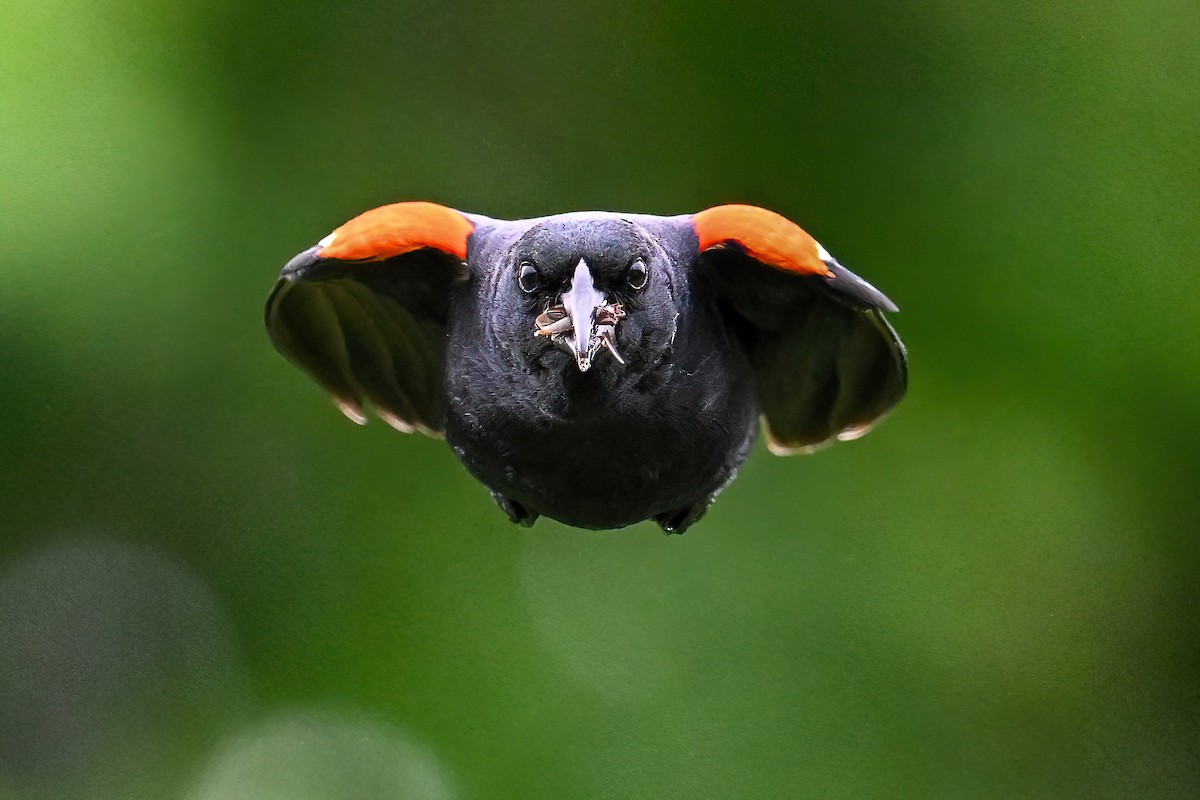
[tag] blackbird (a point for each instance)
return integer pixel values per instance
(597, 368)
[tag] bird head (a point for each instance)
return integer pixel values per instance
(593, 288)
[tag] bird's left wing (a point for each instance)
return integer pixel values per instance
(364, 311)
(827, 362)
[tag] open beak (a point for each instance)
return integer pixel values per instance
(581, 301)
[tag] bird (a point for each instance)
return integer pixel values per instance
(596, 368)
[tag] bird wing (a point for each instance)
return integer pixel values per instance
(364, 311)
(828, 364)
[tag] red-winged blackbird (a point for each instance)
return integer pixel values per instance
(598, 368)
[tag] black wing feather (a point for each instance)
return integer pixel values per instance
(829, 366)
(371, 332)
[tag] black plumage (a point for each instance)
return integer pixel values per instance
(597, 368)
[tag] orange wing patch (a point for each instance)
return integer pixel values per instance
(396, 229)
(764, 235)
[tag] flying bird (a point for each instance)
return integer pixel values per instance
(597, 368)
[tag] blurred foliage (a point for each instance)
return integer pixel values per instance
(212, 585)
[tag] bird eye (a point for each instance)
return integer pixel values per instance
(529, 278)
(636, 277)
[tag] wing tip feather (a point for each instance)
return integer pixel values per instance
(352, 410)
(848, 434)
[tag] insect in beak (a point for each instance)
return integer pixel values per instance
(584, 321)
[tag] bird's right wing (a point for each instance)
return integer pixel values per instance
(364, 311)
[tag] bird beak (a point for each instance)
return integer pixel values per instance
(581, 300)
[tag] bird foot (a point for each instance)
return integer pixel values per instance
(680, 520)
(516, 512)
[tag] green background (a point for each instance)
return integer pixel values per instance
(214, 586)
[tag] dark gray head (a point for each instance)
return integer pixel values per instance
(596, 288)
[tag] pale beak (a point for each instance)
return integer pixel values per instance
(581, 300)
